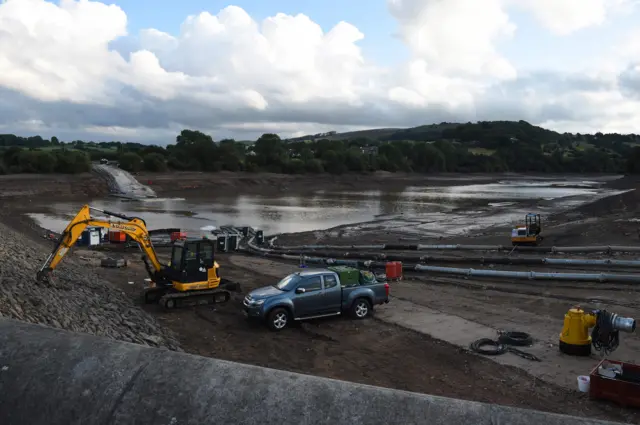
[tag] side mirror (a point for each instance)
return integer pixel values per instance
(300, 290)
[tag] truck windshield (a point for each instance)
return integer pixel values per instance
(288, 283)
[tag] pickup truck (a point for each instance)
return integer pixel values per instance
(311, 294)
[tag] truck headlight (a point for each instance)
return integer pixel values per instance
(258, 302)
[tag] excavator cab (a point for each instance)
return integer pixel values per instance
(532, 221)
(193, 262)
(528, 233)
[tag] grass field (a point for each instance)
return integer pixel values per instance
(482, 151)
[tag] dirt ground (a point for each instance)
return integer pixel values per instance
(390, 350)
(373, 352)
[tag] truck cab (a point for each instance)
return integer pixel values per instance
(311, 294)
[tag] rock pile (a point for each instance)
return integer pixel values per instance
(77, 300)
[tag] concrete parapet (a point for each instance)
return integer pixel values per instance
(52, 377)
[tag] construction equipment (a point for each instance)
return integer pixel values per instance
(191, 276)
(528, 233)
(575, 339)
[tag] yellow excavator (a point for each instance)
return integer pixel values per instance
(529, 233)
(191, 276)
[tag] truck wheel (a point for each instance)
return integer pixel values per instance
(361, 308)
(278, 319)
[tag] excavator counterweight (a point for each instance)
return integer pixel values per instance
(529, 233)
(191, 276)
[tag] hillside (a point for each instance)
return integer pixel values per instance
(465, 131)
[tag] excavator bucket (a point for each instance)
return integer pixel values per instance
(44, 276)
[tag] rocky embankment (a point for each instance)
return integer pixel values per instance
(78, 300)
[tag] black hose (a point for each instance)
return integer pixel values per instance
(498, 348)
(506, 339)
(603, 335)
(515, 338)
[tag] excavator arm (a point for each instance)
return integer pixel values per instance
(134, 227)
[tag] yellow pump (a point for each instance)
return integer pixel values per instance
(575, 339)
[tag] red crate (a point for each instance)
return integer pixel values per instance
(398, 269)
(117, 237)
(390, 270)
(623, 393)
(178, 235)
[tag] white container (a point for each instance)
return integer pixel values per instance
(584, 382)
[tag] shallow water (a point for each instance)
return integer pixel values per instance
(427, 210)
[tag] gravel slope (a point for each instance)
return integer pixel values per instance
(78, 300)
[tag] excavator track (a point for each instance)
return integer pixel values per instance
(174, 300)
(171, 299)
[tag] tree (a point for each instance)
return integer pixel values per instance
(486, 146)
(131, 162)
(270, 152)
(155, 162)
(198, 149)
(71, 162)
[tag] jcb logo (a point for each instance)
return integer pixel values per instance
(123, 227)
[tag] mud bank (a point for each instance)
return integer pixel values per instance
(32, 188)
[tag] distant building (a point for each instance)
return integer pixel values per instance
(369, 150)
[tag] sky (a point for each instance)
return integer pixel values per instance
(142, 70)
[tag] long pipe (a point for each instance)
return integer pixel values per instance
(531, 275)
(416, 258)
(459, 247)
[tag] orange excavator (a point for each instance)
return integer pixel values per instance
(191, 276)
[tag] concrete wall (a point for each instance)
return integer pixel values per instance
(123, 183)
(52, 377)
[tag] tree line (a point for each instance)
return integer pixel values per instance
(499, 146)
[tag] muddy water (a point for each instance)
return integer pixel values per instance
(432, 210)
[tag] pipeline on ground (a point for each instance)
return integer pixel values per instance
(528, 275)
(531, 275)
(426, 259)
(460, 247)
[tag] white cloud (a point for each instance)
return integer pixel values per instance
(456, 36)
(564, 17)
(72, 68)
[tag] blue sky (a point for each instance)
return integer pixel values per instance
(531, 48)
(370, 16)
(534, 47)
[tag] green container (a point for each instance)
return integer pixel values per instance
(348, 275)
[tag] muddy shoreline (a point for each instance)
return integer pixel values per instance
(376, 351)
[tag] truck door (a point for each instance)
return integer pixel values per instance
(307, 300)
(332, 294)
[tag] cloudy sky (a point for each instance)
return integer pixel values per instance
(141, 70)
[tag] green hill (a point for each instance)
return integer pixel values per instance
(431, 132)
